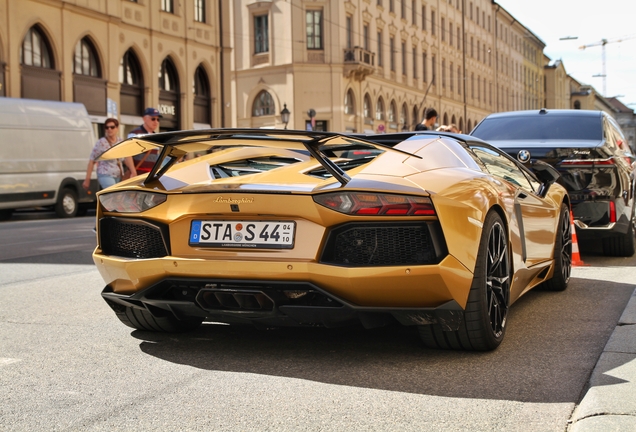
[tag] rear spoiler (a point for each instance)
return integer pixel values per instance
(174, 145)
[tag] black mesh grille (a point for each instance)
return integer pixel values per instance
(131, 238)
(358, 245)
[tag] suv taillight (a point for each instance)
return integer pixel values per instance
(587, 162)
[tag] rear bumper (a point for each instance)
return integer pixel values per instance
(385, 287)
(272, 303)
(592, 219)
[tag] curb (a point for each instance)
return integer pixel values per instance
(609, 403)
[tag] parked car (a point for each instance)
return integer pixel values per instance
(595, 162)
(299, 228)
(44, 148)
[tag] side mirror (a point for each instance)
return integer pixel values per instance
(546, 173)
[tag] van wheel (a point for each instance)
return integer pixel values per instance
(66, 206)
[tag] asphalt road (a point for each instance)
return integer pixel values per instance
(67, 363)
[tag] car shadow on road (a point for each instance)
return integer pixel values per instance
(552, 343)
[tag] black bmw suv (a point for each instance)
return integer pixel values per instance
(595, 162)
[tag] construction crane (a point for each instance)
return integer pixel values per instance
(602, 44)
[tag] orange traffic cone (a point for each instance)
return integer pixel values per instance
(576, 256)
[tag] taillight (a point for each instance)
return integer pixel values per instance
(612, 211)
(375, 204)
(586, 162)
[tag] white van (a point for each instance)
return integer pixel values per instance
(44, 151)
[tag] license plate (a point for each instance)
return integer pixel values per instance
(243, 234)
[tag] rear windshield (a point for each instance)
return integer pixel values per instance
(540, 127)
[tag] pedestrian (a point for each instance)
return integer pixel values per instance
(109, 172)
(151, 118)
(144, 162)
(430, 118)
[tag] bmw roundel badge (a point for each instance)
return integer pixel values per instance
(523, 156)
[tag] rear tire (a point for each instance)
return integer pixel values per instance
(485, 316)
(141, 319)
(67, 204)
(620, 246)
(562, 254)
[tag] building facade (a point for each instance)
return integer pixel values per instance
(116, 57)
(339, 65)
(376, 65)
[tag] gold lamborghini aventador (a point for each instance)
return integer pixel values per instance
(294, 228)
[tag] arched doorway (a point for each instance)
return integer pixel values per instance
(169, 96)
(40, 80)
(131, 96)
(88, 86)
(202, 98)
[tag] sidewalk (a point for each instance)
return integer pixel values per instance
(610, 401)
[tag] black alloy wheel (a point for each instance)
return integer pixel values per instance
(562, 253)
(498, 279)
(486, 311)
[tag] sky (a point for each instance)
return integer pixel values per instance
(590, 22)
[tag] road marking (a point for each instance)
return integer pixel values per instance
(7, 361)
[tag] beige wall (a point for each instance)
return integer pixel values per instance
(557, 91)
(497, 64)
(114, 26)
(491, 62)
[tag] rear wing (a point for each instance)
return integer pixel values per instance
(174, 145)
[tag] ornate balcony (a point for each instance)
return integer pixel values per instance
(358, 63)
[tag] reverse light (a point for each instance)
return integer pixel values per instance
(130, 201)
(376, 204)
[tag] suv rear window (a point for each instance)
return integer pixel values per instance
(540, 127)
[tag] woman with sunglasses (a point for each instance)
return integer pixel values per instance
(109, 172)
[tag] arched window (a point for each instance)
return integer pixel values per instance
(470, 127)
(85, 60)
(416, 116)
(379, 109)
(461, 125)
(168, 78)
(39, 79)
(169, 96)
(577, 104)
(132, 84)
(392, 110)
(129, 69)
(453, 120)
(445, 119)
(263, 105)
(367, 106)
(349, 103)
(88, 87)
(36, 50)
(201, 90)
